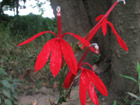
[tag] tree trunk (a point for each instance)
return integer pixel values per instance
(127, 22)
(78, 16)
(17, 6)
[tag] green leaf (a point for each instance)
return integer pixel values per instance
(128, 77)
(13, 89)
(138, 69)
(6, 93)
(15, 96)
(14, 82)
(115, 103)
(8, 102)
(9, 78)
(0, 101)
(133, 95)
(2, 72)
(6, 84)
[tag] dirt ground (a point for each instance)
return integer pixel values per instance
(46, 97)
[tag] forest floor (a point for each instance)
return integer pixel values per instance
(46, 96)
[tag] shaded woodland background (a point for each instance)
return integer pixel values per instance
(78, 16)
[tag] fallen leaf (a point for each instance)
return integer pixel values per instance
(34, 102)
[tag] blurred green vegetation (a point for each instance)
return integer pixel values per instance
(30, 25)
(134, 98)
(18, 62)
(8, 94)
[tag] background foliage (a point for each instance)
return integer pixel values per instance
(8, 94)
(18, 62)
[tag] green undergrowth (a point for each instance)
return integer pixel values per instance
(8, 89)
(134, 98)
(19, 61)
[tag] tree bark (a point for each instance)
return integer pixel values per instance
(127, 22)
(78, 16)
(17, 6)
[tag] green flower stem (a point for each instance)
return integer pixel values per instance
(61, 89)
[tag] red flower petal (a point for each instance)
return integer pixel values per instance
(88, 65)
(43, 56)
(83, 88)
(99, 17)
(104, 26)
(119, 39)
(69, 56)
(122, 43)
(97, 82)
(92, 94)
(56, 58)
(35, 36)
(82, 40)
(68, 80)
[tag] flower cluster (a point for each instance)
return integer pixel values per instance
(88, 80)
(103, 24)
(57, 49)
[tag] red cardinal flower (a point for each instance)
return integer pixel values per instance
(70, 77)
(104, 30)
(88, 81)
(57, 48)
(103, 23)
(68, 80)
(94, 30)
